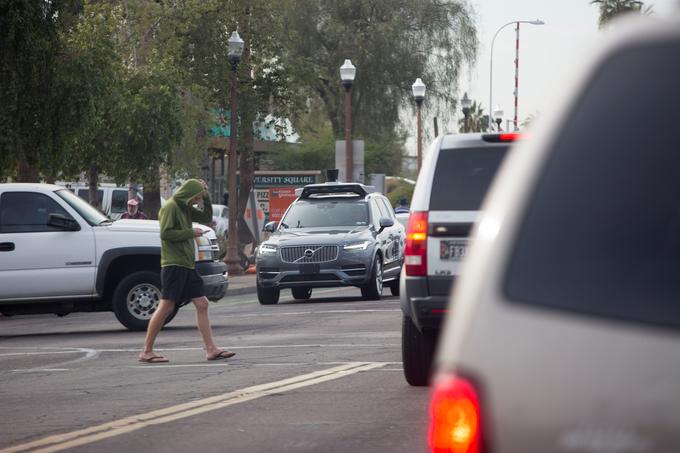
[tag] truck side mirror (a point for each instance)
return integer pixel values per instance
(61, 222)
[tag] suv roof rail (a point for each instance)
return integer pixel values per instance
(331, 188)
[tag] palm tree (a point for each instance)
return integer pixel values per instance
(478, 121)
(610, 9)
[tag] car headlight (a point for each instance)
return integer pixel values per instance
(267, 249)
(357, 245)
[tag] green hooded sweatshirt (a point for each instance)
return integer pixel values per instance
(177, 233)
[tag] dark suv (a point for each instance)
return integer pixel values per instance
(334, 234)
(451, 185)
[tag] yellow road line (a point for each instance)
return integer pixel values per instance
(125, 425)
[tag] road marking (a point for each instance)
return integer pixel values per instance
(318, 312)
(125, 425)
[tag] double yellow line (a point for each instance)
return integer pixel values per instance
(125, 425)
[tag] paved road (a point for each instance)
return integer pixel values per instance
(318, 376)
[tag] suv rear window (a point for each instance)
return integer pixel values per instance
(602, 232)
(463, 176)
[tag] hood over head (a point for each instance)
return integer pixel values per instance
(187, 191)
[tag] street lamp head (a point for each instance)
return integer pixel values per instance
(235, 48)
(347, 73)
(466, 102)
(498, 113)
(537, 22)
(418, 88)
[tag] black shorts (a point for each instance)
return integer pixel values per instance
(180, 284)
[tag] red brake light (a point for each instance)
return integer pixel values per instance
(415, 253)
(454, 416)
(505, 137)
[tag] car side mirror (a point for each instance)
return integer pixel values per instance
(271, 226)
(62, 222)
(385, 222)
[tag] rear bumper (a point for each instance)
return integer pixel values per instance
(425, 300)
(215, 279)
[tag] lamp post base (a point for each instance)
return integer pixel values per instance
(233, 262)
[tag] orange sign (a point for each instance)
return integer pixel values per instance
(279, 200)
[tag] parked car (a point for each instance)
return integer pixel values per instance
(220, 220)
(566, 334)
(451, 185)
(59, 255)
(333, 234)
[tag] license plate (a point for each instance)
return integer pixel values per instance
(310, 268)
(452, 250)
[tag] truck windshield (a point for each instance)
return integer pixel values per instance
(327, 213)
(91, 215)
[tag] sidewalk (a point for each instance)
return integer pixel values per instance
(241, 284)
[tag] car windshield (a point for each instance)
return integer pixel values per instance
(82, 207)
(326, 213)
(463, 176)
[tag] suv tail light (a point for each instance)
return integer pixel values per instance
(415, 253)
(504, 137)
(454, 416)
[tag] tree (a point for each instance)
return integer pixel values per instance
(609, 9)
(35, 115)
(478, 121)
(391, 42)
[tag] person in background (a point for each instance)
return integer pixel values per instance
(402, 206)
(133, 211)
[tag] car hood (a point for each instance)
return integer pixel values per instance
(328, 235)
(148, 226)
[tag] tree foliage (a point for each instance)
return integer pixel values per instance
(609, 9)
(478, 121)
(391, 42)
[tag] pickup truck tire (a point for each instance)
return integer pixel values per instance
(417, 353)
(136, 298)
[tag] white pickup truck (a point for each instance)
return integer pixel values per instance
(60, 255)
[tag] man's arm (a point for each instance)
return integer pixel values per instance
(204, 216)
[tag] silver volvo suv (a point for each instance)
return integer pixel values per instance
(333, 234)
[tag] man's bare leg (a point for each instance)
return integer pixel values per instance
(203, 323)
(165, 307)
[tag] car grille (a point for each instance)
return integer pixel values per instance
(318, 254)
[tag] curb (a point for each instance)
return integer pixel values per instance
(241, 291)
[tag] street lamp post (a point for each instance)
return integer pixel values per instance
(466, 103)
(418, 88)
(234, 54)
(347, 74)
(517, 22)
(498, 116)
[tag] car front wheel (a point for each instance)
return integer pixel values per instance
(301, 293)
(136, 299)
(267, 296)
(373, 289)
(417, 353)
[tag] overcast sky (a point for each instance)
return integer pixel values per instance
(545, 51)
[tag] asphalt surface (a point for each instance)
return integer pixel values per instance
(317, 376)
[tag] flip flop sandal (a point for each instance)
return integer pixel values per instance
(154, 359)
(222, 355)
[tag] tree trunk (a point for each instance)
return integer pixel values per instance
(27, 173)
(152, 196)
(93, 182)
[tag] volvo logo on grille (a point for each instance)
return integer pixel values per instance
(309, 253)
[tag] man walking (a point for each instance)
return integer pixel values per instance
(179, 279)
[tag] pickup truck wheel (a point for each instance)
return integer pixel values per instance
(268, 296)
(417, 352)
(373, 289)
(301, 293)
(136, 298)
